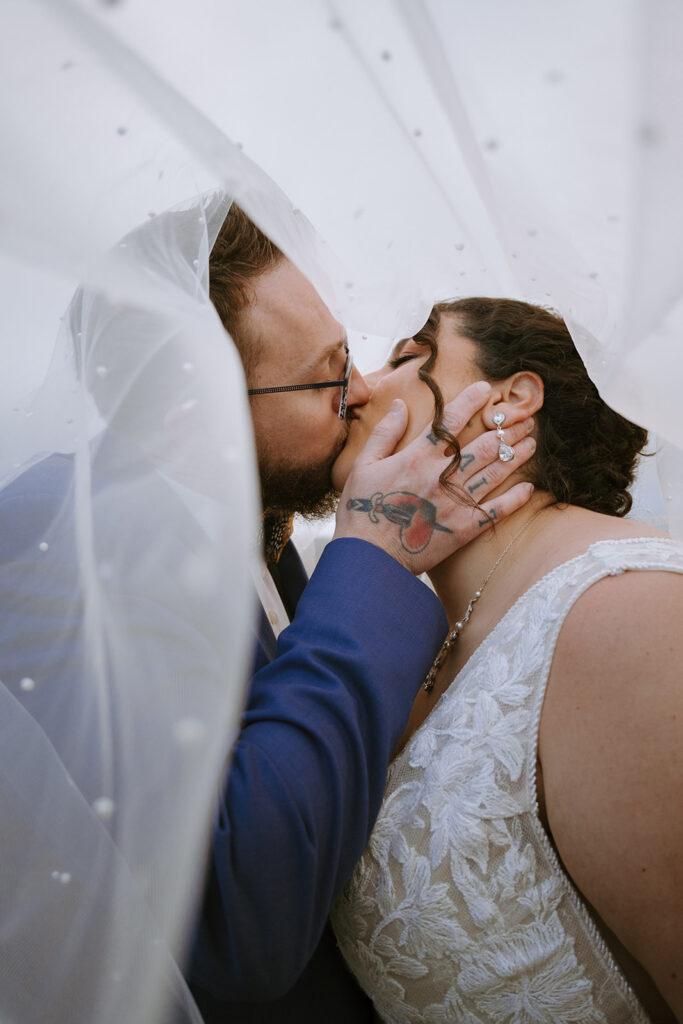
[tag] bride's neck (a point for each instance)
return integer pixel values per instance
(457, 579)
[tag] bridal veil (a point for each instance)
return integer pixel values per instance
(422, 149)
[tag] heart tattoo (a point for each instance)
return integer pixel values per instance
(415, 516)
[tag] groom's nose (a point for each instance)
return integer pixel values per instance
(358, 392)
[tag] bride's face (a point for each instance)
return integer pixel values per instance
(454, 369)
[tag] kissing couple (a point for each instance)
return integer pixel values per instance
(442, 803)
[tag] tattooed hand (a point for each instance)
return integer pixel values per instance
(395, 500)
(414, 516)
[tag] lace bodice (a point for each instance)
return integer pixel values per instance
(459, 909)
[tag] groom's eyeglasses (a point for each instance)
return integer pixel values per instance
(343, 384)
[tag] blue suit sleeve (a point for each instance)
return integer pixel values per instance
(308, 771)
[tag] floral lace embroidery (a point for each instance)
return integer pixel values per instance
(459, 909)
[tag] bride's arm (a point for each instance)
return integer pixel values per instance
(612, 759)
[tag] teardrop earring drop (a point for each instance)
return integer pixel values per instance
(505, 452)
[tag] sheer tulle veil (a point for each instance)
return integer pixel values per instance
(128, 526)
(422, 149)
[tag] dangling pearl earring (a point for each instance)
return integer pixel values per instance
(505, 452)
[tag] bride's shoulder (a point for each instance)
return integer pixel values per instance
(595, 526)
(572, 530)
(568, 532)
(620, 647)
(622, 597)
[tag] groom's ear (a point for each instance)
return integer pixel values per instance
(518, 397)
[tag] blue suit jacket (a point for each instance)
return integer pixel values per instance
(325, 708)
(326, 987)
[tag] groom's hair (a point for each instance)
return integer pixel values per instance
(241, 253)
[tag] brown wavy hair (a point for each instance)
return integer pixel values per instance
(586, 453)
(241, 253)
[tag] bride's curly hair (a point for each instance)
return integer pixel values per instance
(586, 453)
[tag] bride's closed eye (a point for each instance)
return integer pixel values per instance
(396, 361)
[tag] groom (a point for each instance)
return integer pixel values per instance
(329, 699)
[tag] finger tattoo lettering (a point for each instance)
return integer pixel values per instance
(432, 438)
(492, 516)
(479, 483)
(465, 461)
(414, 516)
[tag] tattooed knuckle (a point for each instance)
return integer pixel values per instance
(477, 484)
(466, 459)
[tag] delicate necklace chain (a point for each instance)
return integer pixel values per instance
(430, 678)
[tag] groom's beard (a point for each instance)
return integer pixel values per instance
(303, 488)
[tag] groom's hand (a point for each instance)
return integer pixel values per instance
(395, 500)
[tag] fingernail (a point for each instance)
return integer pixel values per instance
(396, 405)
(530, 487)
(483, 386)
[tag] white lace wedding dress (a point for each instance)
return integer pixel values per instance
(459, 909)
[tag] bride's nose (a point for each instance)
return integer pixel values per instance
(372, 379)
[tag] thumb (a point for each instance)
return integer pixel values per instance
(386, 434)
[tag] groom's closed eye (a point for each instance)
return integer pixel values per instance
(335, 358)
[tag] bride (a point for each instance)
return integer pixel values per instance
(525, 865)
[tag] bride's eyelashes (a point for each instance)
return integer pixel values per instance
(398, 360)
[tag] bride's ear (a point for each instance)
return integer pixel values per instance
(518, 397)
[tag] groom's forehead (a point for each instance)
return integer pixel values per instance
(283, 295)
(287, 319)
